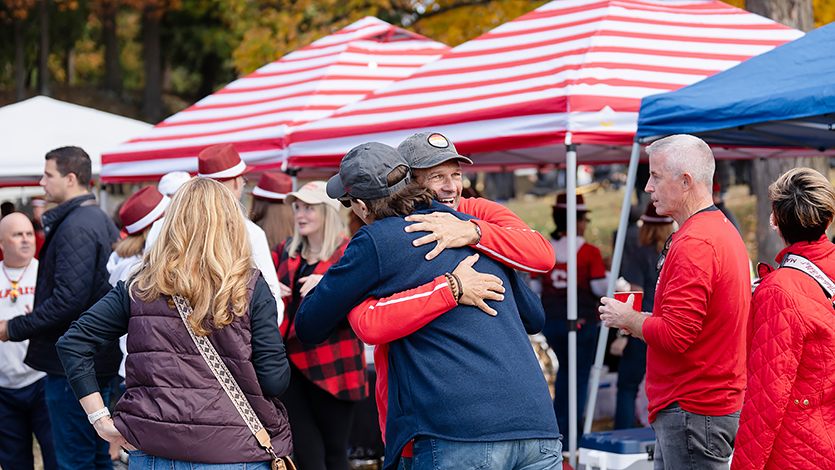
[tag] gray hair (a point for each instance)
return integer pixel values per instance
(686, 154)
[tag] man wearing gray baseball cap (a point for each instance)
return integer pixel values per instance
(465, 382)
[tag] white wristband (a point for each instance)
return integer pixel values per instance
(97, 415)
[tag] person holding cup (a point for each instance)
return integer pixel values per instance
(696, 333)
(640, 272)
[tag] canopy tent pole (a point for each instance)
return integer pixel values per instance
(617, 256)
(571, 233)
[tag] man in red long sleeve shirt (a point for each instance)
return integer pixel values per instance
(497, 233)
(696, 333)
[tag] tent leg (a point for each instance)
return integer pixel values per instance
(571, 233)
(617, 256)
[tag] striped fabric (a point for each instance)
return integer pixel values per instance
(579, 66)
(255, 112)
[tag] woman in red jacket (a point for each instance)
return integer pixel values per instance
(788, 419)
(329, 378)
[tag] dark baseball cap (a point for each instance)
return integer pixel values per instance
(363, 172)
(428, 149)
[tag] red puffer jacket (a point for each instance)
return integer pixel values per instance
(788, 419)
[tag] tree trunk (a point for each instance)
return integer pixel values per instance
(43, 53)
(796, 14)
(71, 66)
(19, 65)
(112, 66)
(152, 108)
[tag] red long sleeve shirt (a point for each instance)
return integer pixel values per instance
(504, 237)
(696, 335)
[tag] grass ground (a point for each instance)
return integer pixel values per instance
(605, 205)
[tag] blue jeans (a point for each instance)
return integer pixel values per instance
(22, 413)
(141, 461)
(631, 370)
(431, 453)
(556, 332)
(77, 445)
(686, 440)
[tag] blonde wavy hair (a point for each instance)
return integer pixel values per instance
(203, 253)
(333, 228)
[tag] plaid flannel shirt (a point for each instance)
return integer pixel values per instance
(338, 365)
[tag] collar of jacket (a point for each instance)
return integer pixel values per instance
(53, 218)
(811, 250)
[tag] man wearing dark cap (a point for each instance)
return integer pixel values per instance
(466, 384)
(495, 231)
(223, 164)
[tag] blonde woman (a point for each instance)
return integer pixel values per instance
(329, 378)
(174, 409)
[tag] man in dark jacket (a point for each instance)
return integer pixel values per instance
(71, 278)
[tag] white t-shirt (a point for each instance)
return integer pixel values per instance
(14, 374)
(260, 256)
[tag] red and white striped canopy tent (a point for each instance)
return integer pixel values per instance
(571, 68)
(255, 112)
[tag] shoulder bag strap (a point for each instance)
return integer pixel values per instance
(801, 263)
(227, 381)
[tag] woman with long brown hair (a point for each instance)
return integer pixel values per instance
(175, 409)
(640, 271)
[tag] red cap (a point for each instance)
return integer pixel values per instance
(562, 202)
(651, 216)
(273, 186)
(220, 162)
(142, 209)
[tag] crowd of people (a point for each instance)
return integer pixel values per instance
(237, 338)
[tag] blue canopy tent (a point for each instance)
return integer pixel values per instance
(780, 103)
(783, 98)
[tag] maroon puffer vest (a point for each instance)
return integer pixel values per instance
(175, 408)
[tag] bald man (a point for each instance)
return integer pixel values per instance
(22, 405)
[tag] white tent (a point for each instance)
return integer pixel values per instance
(29, 129)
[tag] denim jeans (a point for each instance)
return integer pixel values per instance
(22, 413)
(631, 370)
(141, 461)
(686, 440)
(77, 445)
(556, 332)
(431, 453)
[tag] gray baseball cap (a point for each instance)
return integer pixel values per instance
(363, 172)
(428, 149)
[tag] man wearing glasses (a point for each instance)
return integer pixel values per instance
(696, 334)
(223, 164)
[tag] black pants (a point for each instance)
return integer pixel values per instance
(320, 424)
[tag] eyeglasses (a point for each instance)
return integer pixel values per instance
(660, 263)
(345, 200)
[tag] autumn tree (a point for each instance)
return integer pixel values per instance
(106, 11)
(273, 28)
(19, 11)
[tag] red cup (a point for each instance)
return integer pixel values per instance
(624, 297)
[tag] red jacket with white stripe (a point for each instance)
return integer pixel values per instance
(788, 417)
(504, 237)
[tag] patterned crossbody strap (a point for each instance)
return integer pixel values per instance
(227, 381)
(801, 263)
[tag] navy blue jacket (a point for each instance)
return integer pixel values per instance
(465, 376)
(72, 276)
